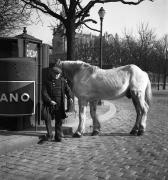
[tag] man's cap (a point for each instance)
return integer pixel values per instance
(57, 70)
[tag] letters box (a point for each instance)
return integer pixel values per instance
(17, 98)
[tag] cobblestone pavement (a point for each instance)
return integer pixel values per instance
(114, 155)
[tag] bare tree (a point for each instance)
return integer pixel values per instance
(75, 15)
(146, 42)
(159, 57)
(165, 66)
(131, 46)
(12, 16)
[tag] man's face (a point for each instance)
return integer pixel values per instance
(57, 76)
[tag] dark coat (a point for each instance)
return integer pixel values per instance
(55, 90)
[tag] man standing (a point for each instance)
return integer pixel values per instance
(53, 94)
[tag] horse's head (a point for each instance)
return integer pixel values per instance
(72, 68)
(69, 68)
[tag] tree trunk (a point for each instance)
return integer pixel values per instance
(164, 76)
(164, 81)
(70, 34)
(158, 85)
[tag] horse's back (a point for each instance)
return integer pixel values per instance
(100, 83)
(122, 79)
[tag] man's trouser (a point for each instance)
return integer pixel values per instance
(58, 128)
(49, 128)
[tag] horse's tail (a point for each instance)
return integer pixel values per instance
(148, 93)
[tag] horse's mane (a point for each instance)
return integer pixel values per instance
(88, 66)
(78, 62)
(80, 65)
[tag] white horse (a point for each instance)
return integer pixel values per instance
(90, 84)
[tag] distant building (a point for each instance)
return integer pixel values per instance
(85, 39)
(59, 43)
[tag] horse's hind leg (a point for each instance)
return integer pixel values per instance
(144, 110)
(141, 109)
(96, 124)
(135, 101)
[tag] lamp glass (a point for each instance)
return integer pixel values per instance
(101, 12)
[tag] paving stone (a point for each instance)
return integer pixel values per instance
(89, 177)
(115, 155)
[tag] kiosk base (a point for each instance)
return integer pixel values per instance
(15, 123)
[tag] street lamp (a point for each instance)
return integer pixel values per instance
(101, 13)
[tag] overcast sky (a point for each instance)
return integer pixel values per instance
(118, 17)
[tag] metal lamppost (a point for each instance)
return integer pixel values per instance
(101, 13)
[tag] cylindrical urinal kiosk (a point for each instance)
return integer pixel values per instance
(17, 91)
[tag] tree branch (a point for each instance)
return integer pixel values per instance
(123, 1)
(90, 27)
(86, 9)
(44, 8)
(84, 21)
(63, 2)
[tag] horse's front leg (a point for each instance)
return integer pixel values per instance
(82, 118)
(96, 124)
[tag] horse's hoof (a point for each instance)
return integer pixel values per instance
(140, 132)
(77, 135)
(134, 132)
(95, 133)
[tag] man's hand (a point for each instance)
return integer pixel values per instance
(71, 100)
(53, 103)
